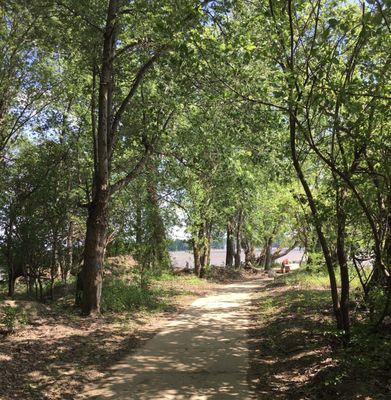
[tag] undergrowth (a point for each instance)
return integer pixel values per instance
(317, 278)
(119, 296)
(305, 301)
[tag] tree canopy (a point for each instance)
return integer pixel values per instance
(260, 123)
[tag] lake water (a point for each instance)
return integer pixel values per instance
(179, 258)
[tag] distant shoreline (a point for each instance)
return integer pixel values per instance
(181, 257)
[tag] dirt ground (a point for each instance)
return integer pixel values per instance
(201, 354)
(58, 353)
(254, 338)
(296, 354)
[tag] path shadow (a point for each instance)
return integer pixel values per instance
(291, 357)
(202, 354)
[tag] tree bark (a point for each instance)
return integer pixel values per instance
(268, 253)
(11, 281)
(95, 242)
(342, 261)
(68, 265)
(230, 251)
(238, 239)
(94, 251)
(208, 243)
(314, 211)
(158, 234)
(283, 252)
(197, 258)
(249, 253)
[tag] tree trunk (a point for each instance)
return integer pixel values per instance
(268, 254)
(343, 263)
(209, 243)
(303, 256)
(314, 211)
(204, 247)
(9, 257)
(94, 251)
(96, 235)
(138, 223)
(203, 255)
(197, 258)
(283, 252)
(249, 253)
(158, 234)
(229, 259)
(68, 264)
(11, 281)
(54, 267)
(238, 240)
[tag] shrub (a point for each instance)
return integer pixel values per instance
(12, 316)
(119, 296)
(315, 262)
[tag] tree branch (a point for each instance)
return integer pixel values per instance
(136, 82)
(137, 169)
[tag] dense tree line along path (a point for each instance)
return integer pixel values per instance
(130, 129)
(202, 354)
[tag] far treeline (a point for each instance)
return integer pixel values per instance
(255, 121)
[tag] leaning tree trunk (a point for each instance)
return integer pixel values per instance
(314, 211)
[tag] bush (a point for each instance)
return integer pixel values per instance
(308, 279)
(315, 262)
(377, 302)
(12, 316)
(120, 296)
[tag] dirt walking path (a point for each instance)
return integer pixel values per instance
(202, 354)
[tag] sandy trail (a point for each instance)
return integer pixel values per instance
(202, 354)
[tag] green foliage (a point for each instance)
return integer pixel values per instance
(178, 245)
(213, 114)
(12, 316)
(315, 261)
(121, 296)
(376, 302)
(308, 279)
(186, 279)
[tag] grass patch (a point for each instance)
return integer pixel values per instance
(318, 278)
(188, 279)
(297, 331)
(158, 294)
(307, 279)
(120, 296)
